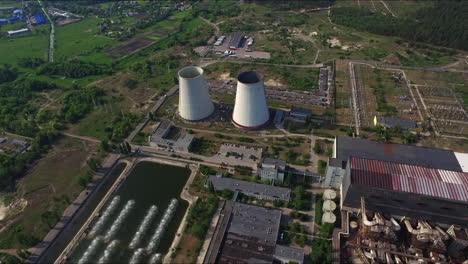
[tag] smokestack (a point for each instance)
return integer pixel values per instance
(194, 101)
(250, 109)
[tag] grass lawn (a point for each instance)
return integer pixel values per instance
(94, 124)
(181, 15)
(79, 39)
(50, 186)
(33, 45)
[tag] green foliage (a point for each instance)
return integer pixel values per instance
(318, 148)
(205, 170)
(318, 209)
(200, 146)
(321, 251)
(73, 69)
(301, 199)
(9, 259)
(243, 170)
(7, 73)
(227, 194)
(322, 165)
(245, 140)
(199, 216)
(78, 103)
(30, 62)
(441, 24)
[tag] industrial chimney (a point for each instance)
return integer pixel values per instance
(250, 109)
(194, 101)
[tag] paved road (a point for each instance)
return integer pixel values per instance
(52, 33)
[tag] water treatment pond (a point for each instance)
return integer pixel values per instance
(110, 235)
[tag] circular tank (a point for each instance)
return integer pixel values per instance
(328, 217)
(329, 194)
(250, 109)
(329, 206)
(194, 101)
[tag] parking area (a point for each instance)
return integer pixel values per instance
(319, 98)
(237, 45)
(239, 155)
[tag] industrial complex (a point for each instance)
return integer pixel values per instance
(233, 132)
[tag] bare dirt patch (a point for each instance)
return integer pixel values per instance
(128, 47)
(188, 249)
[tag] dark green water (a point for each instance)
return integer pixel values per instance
(148, 184)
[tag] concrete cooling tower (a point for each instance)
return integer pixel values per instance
(194, 101)
(250, 109)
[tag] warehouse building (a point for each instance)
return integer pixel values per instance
(257, 190)
(406, 190)
(237, 40)
(251, 237)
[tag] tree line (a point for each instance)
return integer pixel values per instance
(443, 24)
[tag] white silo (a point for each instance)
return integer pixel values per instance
(250, 109)
(194, 101)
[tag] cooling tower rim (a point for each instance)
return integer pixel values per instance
(249, 77)
(190, 72)
(249, 127)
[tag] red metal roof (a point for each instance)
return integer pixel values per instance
(446, 184)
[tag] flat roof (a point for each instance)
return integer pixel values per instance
(289, 253)
(255, 221)
(462, 160)
(446, 184)
(420, 156)
(390, 121)
(276, 162)
(250, 187)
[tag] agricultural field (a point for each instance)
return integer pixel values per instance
(33, 44)
(80, 40)
(45, 191)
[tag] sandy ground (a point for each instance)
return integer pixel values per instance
(3, 211)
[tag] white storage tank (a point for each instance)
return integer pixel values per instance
(194, 101)
(250, 109)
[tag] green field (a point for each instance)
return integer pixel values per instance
(33, 45)
(80, 40)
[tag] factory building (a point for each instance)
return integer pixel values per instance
(194, 101)
(272, 170)
(257, 190)
(345, 147)
(392, 122)
(406, 190)
(168, 137)
(250, 109)
(250, 235)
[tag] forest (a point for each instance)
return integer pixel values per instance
(443, 24)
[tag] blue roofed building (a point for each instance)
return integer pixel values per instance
(13, 19)
(18, 12)
(3, 21)
(38, 19)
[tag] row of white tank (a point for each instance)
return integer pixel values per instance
(250, 108)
